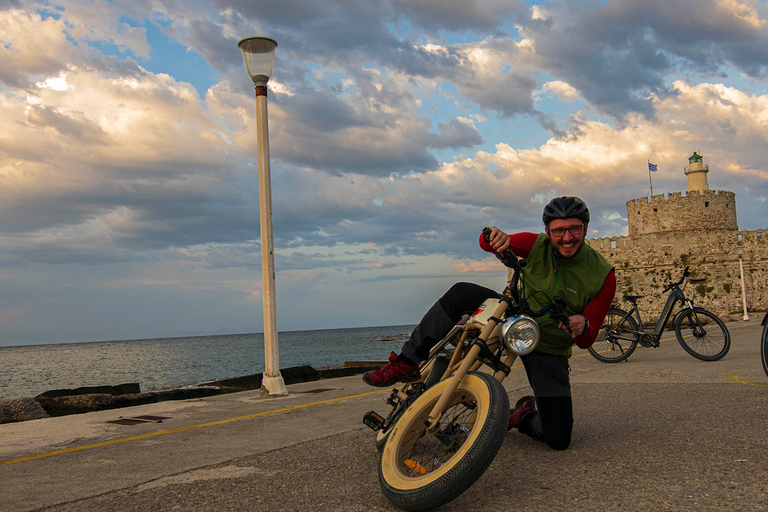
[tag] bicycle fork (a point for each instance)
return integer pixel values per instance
(473, 354)
(698, 329)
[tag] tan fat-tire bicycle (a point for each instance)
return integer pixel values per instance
(447, 435)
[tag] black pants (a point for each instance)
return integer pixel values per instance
(547, 374)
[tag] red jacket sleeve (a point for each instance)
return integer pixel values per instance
(596, 310)
(520, 243)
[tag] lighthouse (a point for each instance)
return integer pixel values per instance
(697, 171)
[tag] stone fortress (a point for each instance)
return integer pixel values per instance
(700, 230)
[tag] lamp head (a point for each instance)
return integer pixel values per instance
(259, 58)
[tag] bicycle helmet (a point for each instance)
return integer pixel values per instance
(566, 207)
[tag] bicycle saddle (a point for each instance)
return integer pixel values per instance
(633, 298)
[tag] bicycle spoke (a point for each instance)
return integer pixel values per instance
(616, 339)
(702, 334)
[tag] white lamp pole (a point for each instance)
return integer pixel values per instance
(259, 58)
(740, 252)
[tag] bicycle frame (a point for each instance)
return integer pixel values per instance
(471, 362)
(676, 295)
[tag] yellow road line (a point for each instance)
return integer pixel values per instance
(181, 429)
(735, 378)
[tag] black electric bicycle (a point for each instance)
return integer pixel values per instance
(764, 344)
(700, 332)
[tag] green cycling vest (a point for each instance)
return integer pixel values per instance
(576, 280)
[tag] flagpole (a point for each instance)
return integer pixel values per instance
(649, 178)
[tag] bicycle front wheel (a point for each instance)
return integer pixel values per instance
(420, 470)
(617, 338)
(431, 374)
(764, 345)
(702, 334)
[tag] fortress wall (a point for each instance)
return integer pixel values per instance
(645, 264)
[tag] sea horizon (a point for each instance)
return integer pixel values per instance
(189, 336)
(172, 362)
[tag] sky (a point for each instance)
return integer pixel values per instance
(398, 129)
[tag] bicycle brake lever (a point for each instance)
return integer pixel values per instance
(560, 306)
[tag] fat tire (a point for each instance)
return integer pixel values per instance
(487, 417)
(382, 436)
(435, 370)
(432, 374)
(606, 348)
(712, 344)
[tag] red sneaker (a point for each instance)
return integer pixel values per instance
(523, 406)
(395, 371)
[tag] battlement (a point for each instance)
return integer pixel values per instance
(695, 210)
(660, 198)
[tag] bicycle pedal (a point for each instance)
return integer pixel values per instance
(373, 420)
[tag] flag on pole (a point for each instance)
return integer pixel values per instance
(651, 167)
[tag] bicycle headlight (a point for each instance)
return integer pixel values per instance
(520, 335)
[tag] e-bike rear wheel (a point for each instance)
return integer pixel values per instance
(764, 345)
(617, 338)
(420, 470)
(702, 334)
(431, 374)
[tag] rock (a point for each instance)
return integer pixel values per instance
(21, 409)
(120, 389)
(76, 404)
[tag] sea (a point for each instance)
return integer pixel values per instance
(169, 363)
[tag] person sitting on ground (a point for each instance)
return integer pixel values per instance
(559, 263)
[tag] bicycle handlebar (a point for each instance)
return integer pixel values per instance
(507, 257)
(511, 260)
(558, 309)
(686, 273)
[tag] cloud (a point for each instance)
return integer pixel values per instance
(564, 91)
(471, 15)
(32, 47)
(616, 54)
(397, 131)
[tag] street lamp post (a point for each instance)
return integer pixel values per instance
(259, 58)
(740, 252)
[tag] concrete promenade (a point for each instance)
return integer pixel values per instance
(661, 431)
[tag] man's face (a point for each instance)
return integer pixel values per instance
(567, 236)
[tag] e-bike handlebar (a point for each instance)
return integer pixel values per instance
(686, 273)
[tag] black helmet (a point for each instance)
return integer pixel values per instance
(566, 207)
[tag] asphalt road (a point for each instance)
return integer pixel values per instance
(661, 431)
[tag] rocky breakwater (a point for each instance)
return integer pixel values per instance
(61, 402)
